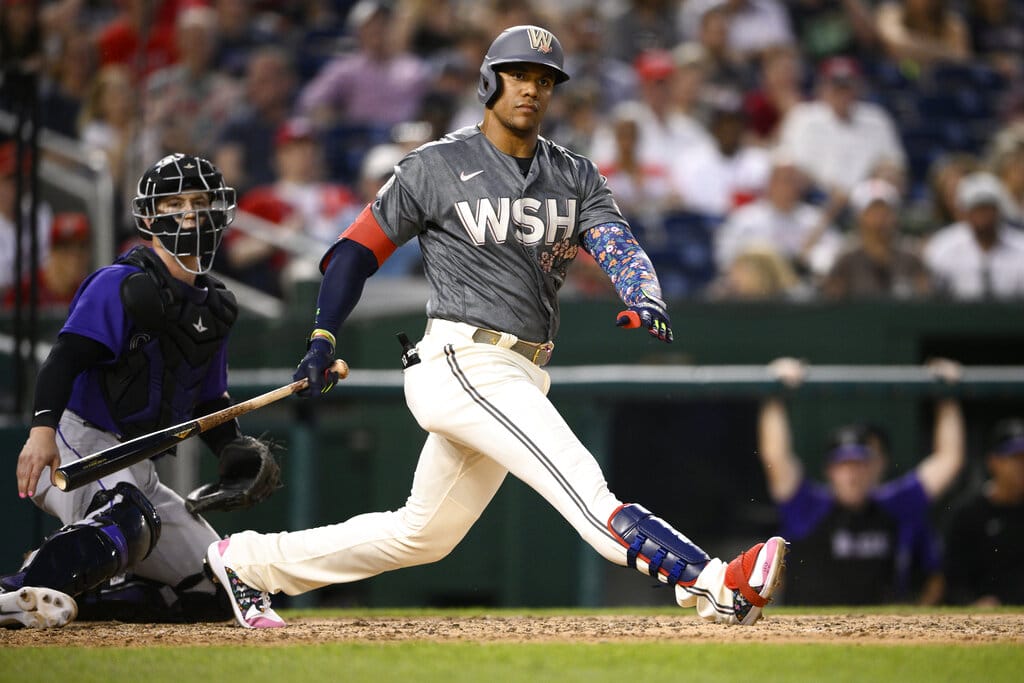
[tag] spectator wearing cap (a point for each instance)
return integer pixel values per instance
(919, 33)
(985, 533)
(245, 150)
(980, 256)
(8, 220)
(877, 264)
(838, 138)
(373, 85)
(857, 541)
(64, 269)
(667, 133)
(299, 202)
(782, 221)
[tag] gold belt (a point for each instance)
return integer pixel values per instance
(536, 353)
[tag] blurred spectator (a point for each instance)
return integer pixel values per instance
(943, 177)
(374, 85)
(755, 274)
(839, 139)
(245, 151)
(985, 538)
(578, 126)
(109, 122)
(918, 33)
(826, 28)
(8, 222)
(587, 59)
(778, 90)
(21, 36)
(643, 189)
(724, 69)
(666, 133)
(299, 202)
(119, 41)
(877, 264)
(996, 28)
(189, 103)
(66, 85)
(855, 540)
(641, 25)
(240, 33)
(1007, 162)
(715, 178)
(65, 267)
(427, 28)
(980, 256)
(754, 25)
(783, 222)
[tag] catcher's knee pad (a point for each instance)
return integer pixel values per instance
(669, 556)
(122, 530)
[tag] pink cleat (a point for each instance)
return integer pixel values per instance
(754, 576)
(251, 606)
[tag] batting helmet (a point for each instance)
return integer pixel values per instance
(530, 44)
(177, 174)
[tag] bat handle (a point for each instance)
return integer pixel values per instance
(628, 319)
(60, 480)
(340, 367)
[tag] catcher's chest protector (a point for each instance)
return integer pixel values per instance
(175, 338)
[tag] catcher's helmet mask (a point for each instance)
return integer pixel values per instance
(179, 174)
(519, 45)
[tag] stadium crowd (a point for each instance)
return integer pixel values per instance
(761, 148)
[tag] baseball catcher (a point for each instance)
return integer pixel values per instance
(143, 347)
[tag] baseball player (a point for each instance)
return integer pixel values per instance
(500, 213)
(143, 348)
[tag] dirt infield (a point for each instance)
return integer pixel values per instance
(852, 629)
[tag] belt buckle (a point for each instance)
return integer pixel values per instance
(542, 354)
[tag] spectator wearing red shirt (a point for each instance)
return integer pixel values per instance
(64, 269)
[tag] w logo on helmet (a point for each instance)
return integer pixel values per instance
(540, 40)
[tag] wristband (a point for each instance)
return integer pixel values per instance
(319, 333)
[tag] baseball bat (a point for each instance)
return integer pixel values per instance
(117, 457)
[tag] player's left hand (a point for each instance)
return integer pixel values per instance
(651, 315)
(318, 367)
(248, 473)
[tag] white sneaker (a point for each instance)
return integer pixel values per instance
(251, 606)
(37, 608)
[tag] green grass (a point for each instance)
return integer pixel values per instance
(453, 662)
(530, 662)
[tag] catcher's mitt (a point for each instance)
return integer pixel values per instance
(248, 473)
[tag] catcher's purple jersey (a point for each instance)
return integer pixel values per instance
(97, 312)
(495, 245)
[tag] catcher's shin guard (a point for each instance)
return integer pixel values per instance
(667, 554)
(122, 530)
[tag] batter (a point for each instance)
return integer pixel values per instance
(500, 213)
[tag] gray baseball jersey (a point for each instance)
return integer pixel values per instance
(495, 245)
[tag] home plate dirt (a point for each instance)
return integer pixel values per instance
(849, 629)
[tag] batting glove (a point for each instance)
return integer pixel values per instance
(651, 314)
(316, 365)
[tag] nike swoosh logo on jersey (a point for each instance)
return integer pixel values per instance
(469, 176)
(40, 412)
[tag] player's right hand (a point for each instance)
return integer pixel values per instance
(316, 366)
(40, 451)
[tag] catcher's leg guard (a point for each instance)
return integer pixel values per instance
(667, 554)
(121, 529)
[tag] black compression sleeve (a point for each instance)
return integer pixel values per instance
(350, 265)
(219, 436)
(69, 357)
